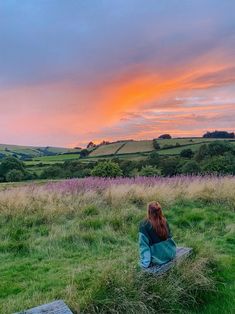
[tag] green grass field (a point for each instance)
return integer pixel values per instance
(129, 150)
(109, 149)
(83, 247)
(56, 158)
(137, 147)
(33, 151)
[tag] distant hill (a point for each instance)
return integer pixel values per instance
(127, 149)
(29, 152)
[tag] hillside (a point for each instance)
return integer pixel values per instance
(130, 150)
(25, 152)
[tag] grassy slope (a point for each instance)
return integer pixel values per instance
(108, 149)
(31, 150)
(137, 146)
(84, 250)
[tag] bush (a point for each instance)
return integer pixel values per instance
(170, 166)
(218, 134)
(186, 153)
(220, 165)
(149, 171)
(52, 172)
(153, 159)
(107, 169)
(165, 136)
(84, 153)
(156, 144)
(11, 163)
(219, 148)
(14, 175)
(191, 167)
(127, 166)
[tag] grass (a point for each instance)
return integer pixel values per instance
(82, 246)
(177, 150)
(137, 147)
(109, 149)
(56, 158)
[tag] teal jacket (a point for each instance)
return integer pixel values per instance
(153, 250)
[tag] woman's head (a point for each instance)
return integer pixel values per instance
(157, 219)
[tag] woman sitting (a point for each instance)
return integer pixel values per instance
(155, 240)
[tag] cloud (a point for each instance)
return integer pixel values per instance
(75, 70)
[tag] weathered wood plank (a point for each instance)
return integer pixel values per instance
(181, 254)
(56, 307)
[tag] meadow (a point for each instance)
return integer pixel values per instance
(77, 240)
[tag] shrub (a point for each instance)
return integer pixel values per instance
(11, 163)
(153, 159)
(219, 148)
(149, 171)
(165, 136)
(106, 169)
(191, 167)
(218, 134)
(169, 166)
(156, 144)
(52, 172)
(220, 164)
(186, 153)
(84, 153)
(14, 175)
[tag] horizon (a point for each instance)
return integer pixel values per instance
(74, 72)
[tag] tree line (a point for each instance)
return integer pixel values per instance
(213, 158)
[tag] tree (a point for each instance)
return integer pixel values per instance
(218, 134)
(52, 172)
(104, 142)
(11, 163)
(84, 153)
(14, 175)
(156, 144)
(220, 164)
(201, 153)
(169, 166)
(191, 167)
(150, 171)
(153, 159)
(127, 166)
(219, 148)
(106, 169)
(186, 153)
(91, 145)
(165, 136)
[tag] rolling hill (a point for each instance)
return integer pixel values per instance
(129, 149)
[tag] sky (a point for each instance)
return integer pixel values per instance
(72, 71)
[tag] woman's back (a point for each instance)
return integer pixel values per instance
(153, 249)
(155, 239)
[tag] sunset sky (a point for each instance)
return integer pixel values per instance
(72, 71)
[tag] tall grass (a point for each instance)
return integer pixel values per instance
(77, 240)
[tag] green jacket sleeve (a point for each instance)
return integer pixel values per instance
(145, 253)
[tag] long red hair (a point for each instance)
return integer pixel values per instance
(157, 219)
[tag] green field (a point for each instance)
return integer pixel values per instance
(137, 147)
(56, 158)
(33, 151)
(83, 247)
(109, 149)
(130, 150)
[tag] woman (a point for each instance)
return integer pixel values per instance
(156, 244)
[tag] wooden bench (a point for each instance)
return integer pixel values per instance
(181, 254)
(56, 307)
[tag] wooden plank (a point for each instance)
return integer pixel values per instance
(181, 254)
(56, 307)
